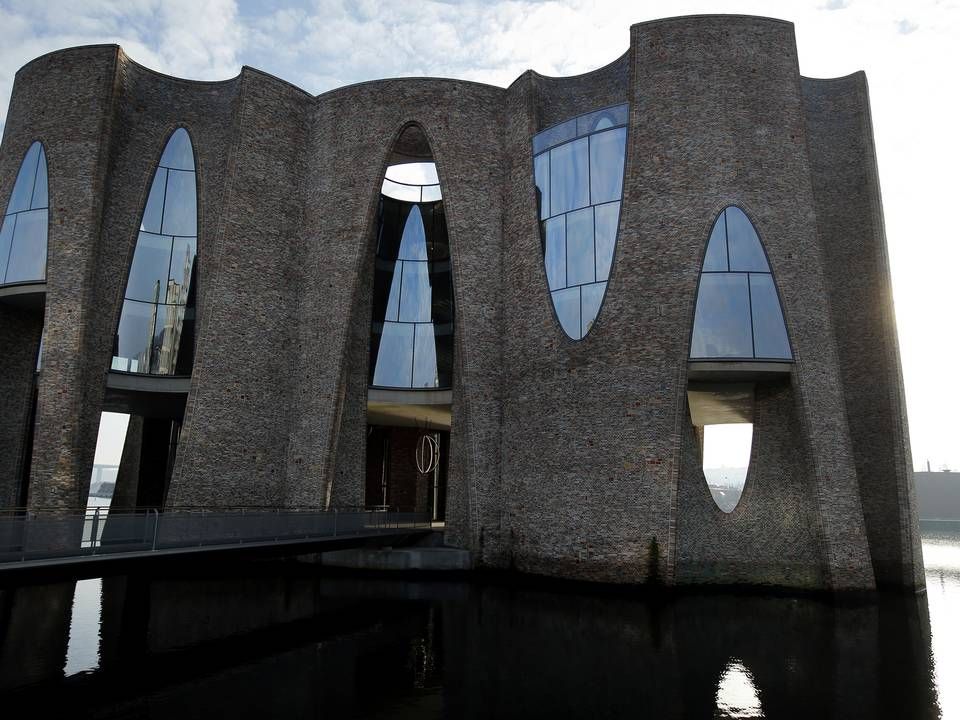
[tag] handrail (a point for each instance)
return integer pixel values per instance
(101, 531)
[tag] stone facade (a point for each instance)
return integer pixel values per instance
(575, 459)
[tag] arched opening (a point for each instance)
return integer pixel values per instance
(410, 378)
(738, 340)
(153, 346)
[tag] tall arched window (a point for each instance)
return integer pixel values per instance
(578, 169)
(23, 238)
(155, 332)
(738, 314)
(412, 332)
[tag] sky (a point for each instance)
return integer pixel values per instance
(909, 50)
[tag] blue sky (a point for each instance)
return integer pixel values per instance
(910, 51)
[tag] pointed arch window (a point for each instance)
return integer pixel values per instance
(23, 237)
(155, 332)
(738, 314)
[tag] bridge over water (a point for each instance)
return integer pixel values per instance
(38, 539)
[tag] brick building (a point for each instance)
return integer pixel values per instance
(531, 343)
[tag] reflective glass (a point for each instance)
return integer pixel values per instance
(413, 243)
(554, 135)
(148, 271)
(393, 300)
(180, 204)
(40, 197)
(591, 297)
(397, 191)
(415, 295)
(602, 119)
(6, 238)
(28, 253)
(744, 246)
(22, 192)
(167, 339)
(721, 325)
(581, 261)
(395, 356)
(555, 252)
(431, 193)
(135, 336)
(424, 357)
(541, 174)
(158, 313)
(413, 173)
(769, 331)
(441, 285)
(606, 219)
(444, 348)
(567, 304)
(569, 183)
(153, 212)
(715, 259)
(178, 154)
(606, 165)
(181, 270)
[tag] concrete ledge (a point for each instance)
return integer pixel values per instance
(418, 558)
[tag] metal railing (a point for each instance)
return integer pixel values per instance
(95, 531)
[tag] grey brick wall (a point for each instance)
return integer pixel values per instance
(566, 458)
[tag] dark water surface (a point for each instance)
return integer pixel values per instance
(277, 639)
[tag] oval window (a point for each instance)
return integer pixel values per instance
(578, 172)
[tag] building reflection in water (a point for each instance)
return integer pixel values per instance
(278, 639)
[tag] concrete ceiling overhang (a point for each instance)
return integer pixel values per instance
(409, 408)
(748, 371)
(146, 395)
(30, 296)
(720, 403)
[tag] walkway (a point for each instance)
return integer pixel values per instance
(93, 536)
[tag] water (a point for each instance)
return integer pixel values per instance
(277, 639)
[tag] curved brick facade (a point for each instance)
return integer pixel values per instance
(566, 458)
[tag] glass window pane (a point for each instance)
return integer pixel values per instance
(6, 238)
(167, 339)
(431, 193)
(441, 285)
(715, 259)
(28, 254)
(591, 297)
(23, 186)
(555, 135)
(135, 337)
(148, 271)
(153, 212)
(541, 173)
(180, 204)
(769, 332)
(581, 262)
(413, 243)
(40, 199)
(181, 270)
(178, 154)
(555, 252)
(425, 358)
(602, 119)
(567, 305)
(569, 183)
(607, 217)
(606, 165)
(393, 300)
(415, 295)
(721, 326)
(745, 250)
(398, 191)
(395, 356)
